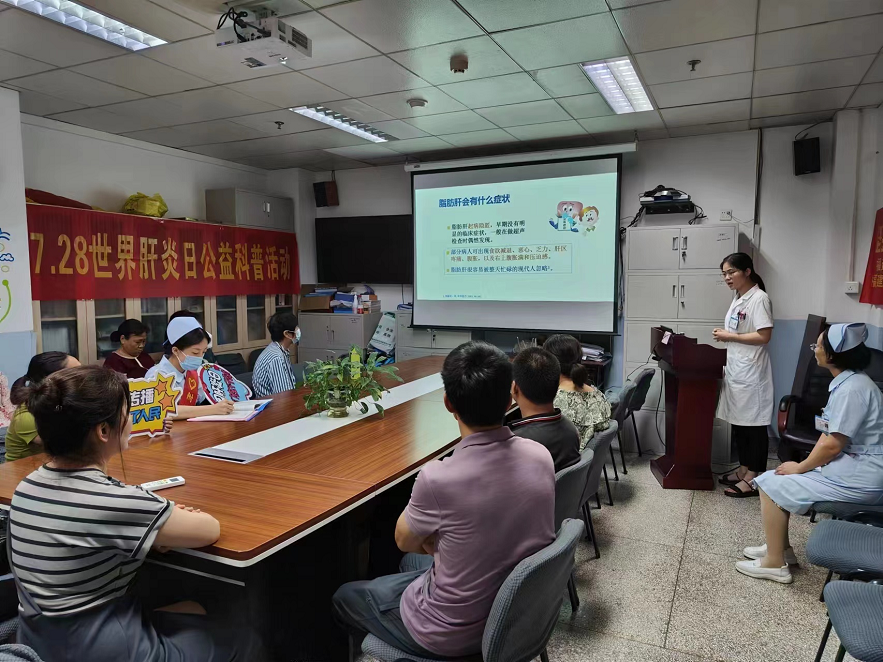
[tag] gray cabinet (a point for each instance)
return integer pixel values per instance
(417, 343)
(249, 209)
(678, 248)
(326, 335)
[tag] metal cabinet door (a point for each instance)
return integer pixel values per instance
(314, 330)
(703, 247)
(703, 297)
(652, 297)
(653, 248)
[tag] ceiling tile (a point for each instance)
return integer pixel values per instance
(373, 75)
(415, 145)
(321, 139)
(825, 41)
(399, 129)
(149, 17)
(532, 112)
(279, 161)
(102, 119)
(335, 162)
(34, 103)
(287, 90)
(432, 63)
(867, 95)
(815, 76)
(791, 120)
(586, 105)
(460, 122)
(266, 122)
(202, 58)
(702, 90)
(577, 40)
(199, 133)
(723, 111)
(294, 142)
(213, 103)
(718, 58)
(373, 151)
(14, 66)
(142, 74)
(478, 138)
(331, 43)
(781, 14)
(45, 40)
(681, 22)
(566, 81)
(400, 25)
(875, 73)
(205, 15)
(616, 137)
(702, 129)
(495, 15)
(646, 120)
(497, 91)
(801, 102)
(653, 134)
(357, 110)
(396, 103)
(551, 130)
(66, 84)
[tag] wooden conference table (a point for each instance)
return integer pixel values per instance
(274, 501)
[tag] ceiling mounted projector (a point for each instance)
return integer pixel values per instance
(261, 38)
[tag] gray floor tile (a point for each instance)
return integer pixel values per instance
(638, 466)
(571, 644)
(644, 512)
(628, 591)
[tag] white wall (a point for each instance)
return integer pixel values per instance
(103, 170)
(298, 184)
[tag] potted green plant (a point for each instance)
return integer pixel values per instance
(338, 383)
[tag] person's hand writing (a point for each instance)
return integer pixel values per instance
(788, 468)
(720, 335)
(222, 408)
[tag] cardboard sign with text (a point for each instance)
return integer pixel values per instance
(152, 401)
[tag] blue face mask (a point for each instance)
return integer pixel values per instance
(189, 363)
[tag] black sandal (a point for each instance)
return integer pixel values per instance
(739, 494)
(726, 480)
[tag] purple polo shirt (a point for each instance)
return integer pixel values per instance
(490, 505)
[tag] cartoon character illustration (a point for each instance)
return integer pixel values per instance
(564, 220)
(587, 220)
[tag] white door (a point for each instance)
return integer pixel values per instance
(703, 247)
(703, 297)
(653, 248)
(652, 297)
(702, 333)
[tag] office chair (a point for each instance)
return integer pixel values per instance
(855, 610)
(570, 484)
(593, 478)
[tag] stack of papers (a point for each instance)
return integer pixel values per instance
(242, 411)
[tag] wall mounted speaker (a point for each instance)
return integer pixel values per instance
(807, 158)
(326, 194)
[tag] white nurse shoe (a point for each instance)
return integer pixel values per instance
(760, 551)
(754, 569)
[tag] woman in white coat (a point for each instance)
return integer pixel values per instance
(746, 398)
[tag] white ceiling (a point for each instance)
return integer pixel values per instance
(763, 63)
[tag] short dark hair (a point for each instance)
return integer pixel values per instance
(70, 403)
(858, 358)
(569, 353)
(130, 327)
(279, 323)
(478, 382)
(536, 372)
(39, 368)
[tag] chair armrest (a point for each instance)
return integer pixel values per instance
(862, 575)
(784, 409)
(866, 517)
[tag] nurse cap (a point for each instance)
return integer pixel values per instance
(844, 337)
(181, 326)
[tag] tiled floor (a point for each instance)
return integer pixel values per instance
(665, 588)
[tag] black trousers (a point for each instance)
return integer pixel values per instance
(752, 444)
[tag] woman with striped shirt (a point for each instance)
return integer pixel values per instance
(78, 537)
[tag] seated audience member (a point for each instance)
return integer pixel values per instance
(536, 372)
(22, 439)
(471, 519)
(846, 464)
(272, 371)
(186, 343)
(209, 354)
(78, 537)
(583, 404)
(129, 358)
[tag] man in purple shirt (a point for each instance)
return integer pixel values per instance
(471, 519)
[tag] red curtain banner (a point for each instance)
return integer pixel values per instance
(85, 254)
(872, 288)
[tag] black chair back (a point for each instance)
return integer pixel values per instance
(596, 464)
(642, 387)
(232, 363)
(570, 483)
(253, 358)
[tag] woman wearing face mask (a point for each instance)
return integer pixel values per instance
(186, 344)
(272, 372)
(130, 359)
(746, 399)
(78, 538)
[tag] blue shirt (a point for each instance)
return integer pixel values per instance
(165, 368)
(272, 372)
(855, 410)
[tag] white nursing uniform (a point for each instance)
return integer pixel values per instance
(165, 368)
(747, 396)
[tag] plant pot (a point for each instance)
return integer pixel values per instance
(337, 407)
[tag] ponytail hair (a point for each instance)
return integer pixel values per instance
(743, 262)
(40, 367)
(569, 353)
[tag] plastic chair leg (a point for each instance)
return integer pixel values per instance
(824, 642)
(827, 580)
(607, 483)
(621, 452)
(637, 438)
(571, 590)
(598, 498)
(544, 656)
(587, 521)
(613, 462)
(841, 653)
(587, 513)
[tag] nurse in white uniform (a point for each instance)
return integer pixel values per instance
(746, 399)
(845, 465)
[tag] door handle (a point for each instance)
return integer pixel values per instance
(268, 209)
(685, 242)
(674, 291)
(674, 243)
(682, 291)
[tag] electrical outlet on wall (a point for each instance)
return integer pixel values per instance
(853, 287)
(726, 214)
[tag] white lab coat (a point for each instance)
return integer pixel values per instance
(747, 396)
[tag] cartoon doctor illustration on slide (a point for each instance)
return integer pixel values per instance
(587, 220)
(564, 221)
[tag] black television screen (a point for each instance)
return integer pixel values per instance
(365, 249)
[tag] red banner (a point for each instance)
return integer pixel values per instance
(85, 254)
(872, 289)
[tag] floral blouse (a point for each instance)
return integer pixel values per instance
(587, 410)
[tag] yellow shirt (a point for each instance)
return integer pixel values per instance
(22, 431)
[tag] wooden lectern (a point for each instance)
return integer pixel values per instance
(692, 372)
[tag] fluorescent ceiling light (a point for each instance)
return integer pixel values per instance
(342, 122)
(89, 21)
(618, 83)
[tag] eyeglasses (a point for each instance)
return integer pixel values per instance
(730, 272)
(813, 346)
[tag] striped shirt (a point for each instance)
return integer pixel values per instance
(272, 372)
(78, 537)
